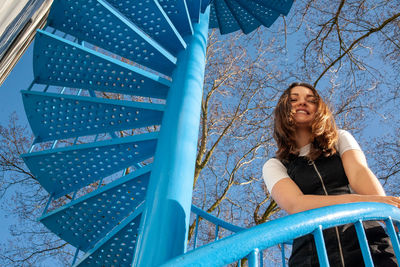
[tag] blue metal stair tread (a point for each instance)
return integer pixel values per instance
(194, 10)
(63, 170)
(56, 116)
(280, 6)
(205, 4)
(226, 21)
(265, 15)
(262, 11)
(64, 63)
(246, 21)
(213, 18)
(149, 16)
(178, 13)
(99, 23)
(85, 221)
(117, 247)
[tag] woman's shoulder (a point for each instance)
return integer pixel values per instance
(273, 171)
(273, 163)
(346, 141)
(343, 133)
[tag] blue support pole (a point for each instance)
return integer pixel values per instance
(165, 219)
(196, 231)
(253, 258)
(75, 256)
(283, 254)
(216, 232)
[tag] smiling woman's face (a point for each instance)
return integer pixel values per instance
(304, 105)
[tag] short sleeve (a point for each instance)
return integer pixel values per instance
(346, 142)
(273, 171)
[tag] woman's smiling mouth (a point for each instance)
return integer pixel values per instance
(302, 111)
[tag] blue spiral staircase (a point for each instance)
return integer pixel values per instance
(115, 109)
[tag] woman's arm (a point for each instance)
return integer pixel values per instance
(290, 198)
(362, 180)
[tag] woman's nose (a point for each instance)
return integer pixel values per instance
(302, 102)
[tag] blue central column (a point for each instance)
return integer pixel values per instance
(165, 219)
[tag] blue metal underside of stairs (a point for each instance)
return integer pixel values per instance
(62, 170)
(103, 71)
(83, 221)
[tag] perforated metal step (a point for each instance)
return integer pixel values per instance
(178, 13)
(85, 221)
(63, 63)
(280, 6)
(118, 247)
(194, 10)
(265, 15)
(247, 15)
(246, 20)
(99, 23)
(226, 21)
(205, 4)
(213, 18)
(149, 16)
(63, 170)
(56, 116)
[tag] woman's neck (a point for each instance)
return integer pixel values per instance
(303, 137)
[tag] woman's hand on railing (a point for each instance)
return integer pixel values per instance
(395, 201)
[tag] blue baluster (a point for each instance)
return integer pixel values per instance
(253, 258)
(362, 238)
(216, 232)
(75, 256)
(393, 237)
(196, 231)
(47, 204)
(321, 249)
(398, 227)
(283, 254)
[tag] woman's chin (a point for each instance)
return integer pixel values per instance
(303, 125)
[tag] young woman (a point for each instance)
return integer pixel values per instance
(317, 165)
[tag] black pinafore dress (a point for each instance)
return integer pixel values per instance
(326, 176)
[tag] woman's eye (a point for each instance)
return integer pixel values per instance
(293, 99)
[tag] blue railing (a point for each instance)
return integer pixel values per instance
(255, 257)
(258, 238)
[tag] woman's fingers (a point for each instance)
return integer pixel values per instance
(395, 201)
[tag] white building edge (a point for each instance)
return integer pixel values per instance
(18, 23)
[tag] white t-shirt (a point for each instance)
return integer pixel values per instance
(273, 170)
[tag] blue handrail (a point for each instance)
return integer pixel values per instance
(278, 231)
(252, 257)
(215, 220)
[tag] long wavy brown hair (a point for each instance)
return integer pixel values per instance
(323, 128)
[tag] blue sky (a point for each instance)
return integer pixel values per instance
(10, 100)
(19, 79)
